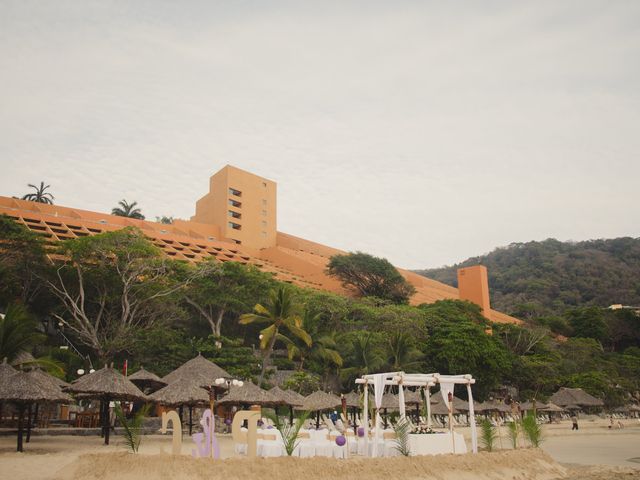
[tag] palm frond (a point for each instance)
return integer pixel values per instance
(132, 427)
(402, 429)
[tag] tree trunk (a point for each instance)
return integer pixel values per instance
(267, 357)
(217, 326)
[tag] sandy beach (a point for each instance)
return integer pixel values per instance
(594, 452)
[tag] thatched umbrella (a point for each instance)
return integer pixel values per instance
(526, 406)
(198, 370)
(26, 388)
(106, 384)
(289, 397)
(575, 396)
(53, 382)
(250, 394)
(6, 371)
(493, 406)
(552, 407)
(318, 401)
(180, 393)
(146, 380)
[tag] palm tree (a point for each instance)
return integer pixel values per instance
(127, 210)
(364, 357)
(18, 333)
(40, 195)
(402, 354)
(324, 347)
(280, 314)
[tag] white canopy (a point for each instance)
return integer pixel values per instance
(421, 380)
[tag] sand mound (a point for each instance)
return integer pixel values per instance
(519, 465)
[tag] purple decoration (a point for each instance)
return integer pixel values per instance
(361, 431)
(227, 421)
(340, 440)
(269, 427)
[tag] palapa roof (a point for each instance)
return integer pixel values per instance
(320, 401)
(198, 370)
(440, 408)
(493, 406)
(552, 407)
(144, 378)
(412, 398)
(526, 406)
(145, 375)
(30, 387)
(6, 371)
(181, 392)
(50, 379)
(353, 399)
(458, 403)
(289, 397)
(575, 396)
(106, 382)
(250, 394)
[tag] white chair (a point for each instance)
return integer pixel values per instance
(389, 439)
(306, 447)
(338, 451)
(241, 448)
(322, 443)
(352, 441)
(271, 443)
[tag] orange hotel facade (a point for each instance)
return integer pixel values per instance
(237, 221)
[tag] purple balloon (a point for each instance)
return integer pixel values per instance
(269, 427)
(227, 421)
(361, 431)
(340, 440)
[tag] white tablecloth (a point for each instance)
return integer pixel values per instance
(436, 443)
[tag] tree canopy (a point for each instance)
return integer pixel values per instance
(370, 276)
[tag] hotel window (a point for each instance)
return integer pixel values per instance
(263, 234)
(235, 214)
(264, 224)
(237, 242)
(235, 226)
(264, 213)
(234, 192)
(233, 203)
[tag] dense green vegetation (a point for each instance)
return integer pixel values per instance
(116, 297)
(541, 278)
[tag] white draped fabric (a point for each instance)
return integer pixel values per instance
(472, 421)
(378, 392)
(401, 401)
(446, 389)
(427, 393)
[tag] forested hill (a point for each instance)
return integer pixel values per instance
(538, 278)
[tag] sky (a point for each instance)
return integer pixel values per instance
(425, 132)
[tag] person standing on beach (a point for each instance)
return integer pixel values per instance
(574, 421)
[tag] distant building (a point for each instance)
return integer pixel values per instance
(237, 221)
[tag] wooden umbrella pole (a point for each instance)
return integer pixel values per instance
(20, 416)
(190, 418)
(29, 413)
(107, 421)
(101, 415)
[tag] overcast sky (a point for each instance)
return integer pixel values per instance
(424, 132)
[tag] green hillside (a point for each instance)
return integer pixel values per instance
(539, 278)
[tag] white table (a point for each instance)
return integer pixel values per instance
(436, 443)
